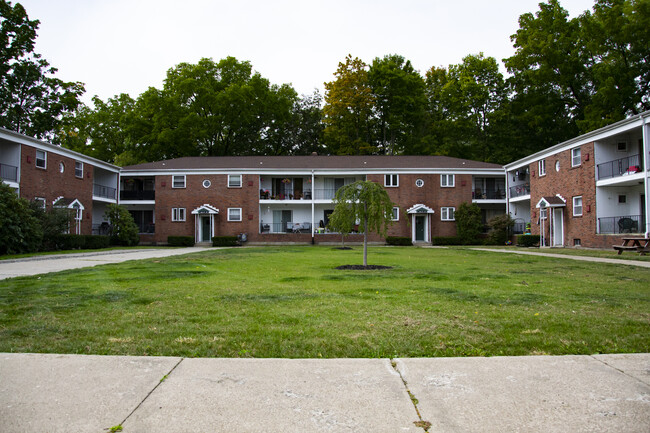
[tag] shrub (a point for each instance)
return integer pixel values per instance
(123, 228)
(20, 228)
(527, 240)
(96, 242)
(181, 241)
(224, 241)
(500, 228)
(468, 222)
(68, 242)
(446, 240)
(398, 240)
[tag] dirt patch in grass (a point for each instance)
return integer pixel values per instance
(362, 268)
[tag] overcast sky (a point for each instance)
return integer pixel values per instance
(126, 46)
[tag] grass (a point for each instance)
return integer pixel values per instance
(291, 302)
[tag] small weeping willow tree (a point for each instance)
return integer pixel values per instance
(366, 202)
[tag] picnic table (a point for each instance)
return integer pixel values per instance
(639, 244)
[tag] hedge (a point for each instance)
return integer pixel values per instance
(446, 240)
(77, 242)
(527, 240)
(398, 240)
(180, 241)
(225, 241)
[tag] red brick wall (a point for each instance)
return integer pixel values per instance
(570, 182)
(50, 183)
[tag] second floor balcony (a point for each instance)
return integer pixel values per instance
(520, 190)
(138, 195)
(8, 173)
(104, 191)
(620, 167)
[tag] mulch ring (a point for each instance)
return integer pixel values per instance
(362, 268)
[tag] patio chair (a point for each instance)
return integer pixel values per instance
(627, 225)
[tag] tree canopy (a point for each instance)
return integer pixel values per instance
(367, 202)
(32, 101)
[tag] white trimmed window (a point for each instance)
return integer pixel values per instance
(542, 214)
(542, 167)
(391, 180)
(447, 181)
(577, 206)
(234, 214)
(178, 214)
(575, 157)
(395, 216)
(178, 181)
(41, 159)
(447, 213)
(234, 181)
(40, 201)
(79, 169)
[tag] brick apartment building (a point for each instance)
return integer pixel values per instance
(588, 191)
(289, 199)
(58, 177)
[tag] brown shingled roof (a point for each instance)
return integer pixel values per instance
(312, 162)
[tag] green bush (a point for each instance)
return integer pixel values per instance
(446, 240)
(181, 241)
(527, 240)
(20, 228)
(399, 240)
(224, 241)
(68, 242)
(96, 242)
(468, 222)
(123, 228)
(500, 228)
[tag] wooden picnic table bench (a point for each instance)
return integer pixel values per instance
(638, 244)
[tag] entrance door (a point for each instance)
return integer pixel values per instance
(205, 229)
(281, 218)
(420, 223)
(558, 227)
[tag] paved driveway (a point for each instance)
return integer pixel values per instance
(44, 264)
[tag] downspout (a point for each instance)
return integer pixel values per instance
(646, 181)
(313, 195)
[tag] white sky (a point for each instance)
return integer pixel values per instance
(126, 46)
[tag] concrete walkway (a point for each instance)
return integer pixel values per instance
(570, 257)
(61, 262)
(77, 393)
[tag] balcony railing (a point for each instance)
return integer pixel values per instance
(104, 191)
(9, 172)
(619, 167)
(621, 224)
(478, 194)
(519, 190)
(286, 227)
(138, 195)
(305, 195)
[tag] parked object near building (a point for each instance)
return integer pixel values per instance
(588, 191)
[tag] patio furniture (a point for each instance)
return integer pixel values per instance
(627, 225)
(640, 245)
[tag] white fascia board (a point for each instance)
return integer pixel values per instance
(599, 134)
(315, 172)
(48, 147)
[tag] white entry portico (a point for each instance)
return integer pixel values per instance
(555, 219)
(204, 222)
(420, 222)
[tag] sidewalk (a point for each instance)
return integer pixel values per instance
(77, 393)
(60, 262)
(570, 257)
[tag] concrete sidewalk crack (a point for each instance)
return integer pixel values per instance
(152, 390)
(426, 425)
(619, 370)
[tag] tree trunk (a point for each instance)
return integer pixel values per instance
(365, 236)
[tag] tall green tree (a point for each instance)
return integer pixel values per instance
(348, 110)
(32, 101)
(306, 126)
(367, 202)
(400, 103)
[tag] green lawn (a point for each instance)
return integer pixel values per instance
(292, 302)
